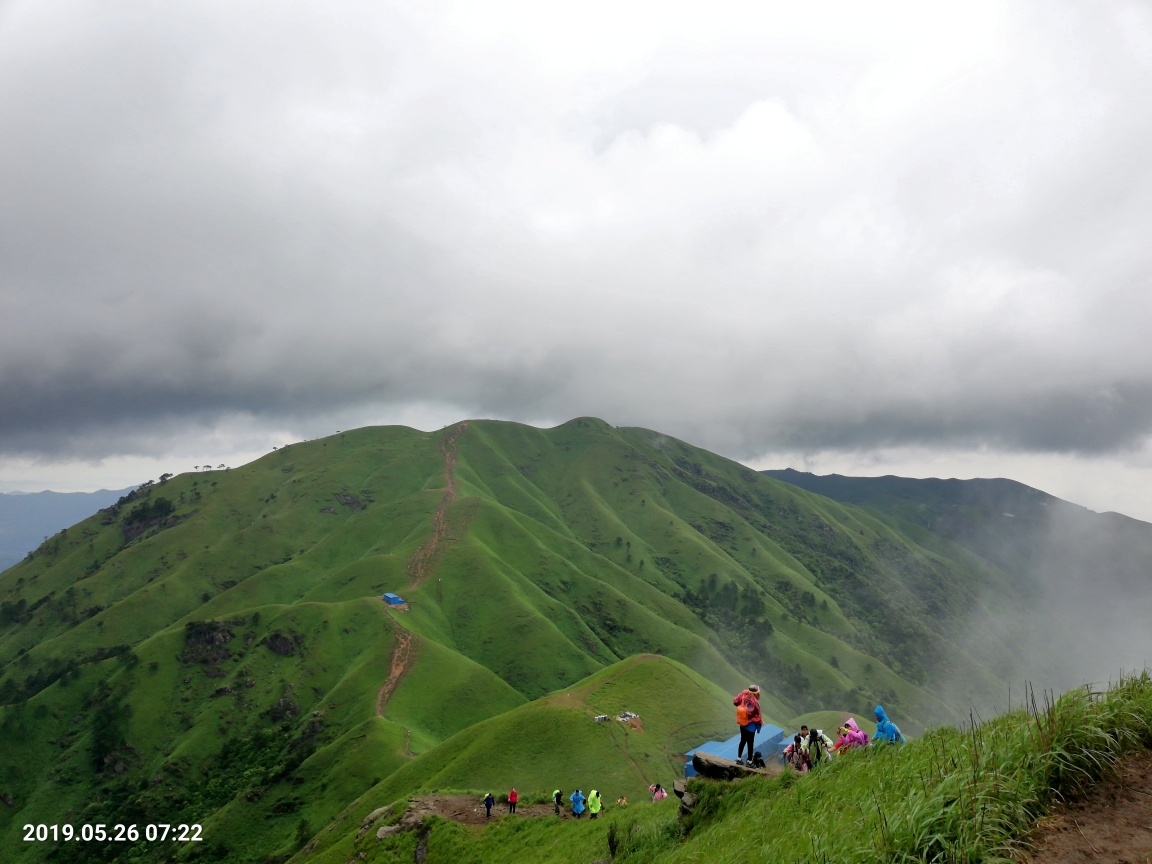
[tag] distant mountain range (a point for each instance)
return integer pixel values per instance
(1087, 575)
(27, 518)
(215, 648)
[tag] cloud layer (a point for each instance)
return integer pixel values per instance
(758, 227)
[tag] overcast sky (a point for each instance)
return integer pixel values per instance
(870, 237)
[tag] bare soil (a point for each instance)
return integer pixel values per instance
(418, 565)
(403, 653)
(1112, 823)
(470, 811)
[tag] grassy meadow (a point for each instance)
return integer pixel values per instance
(557, 555)
(967, 794)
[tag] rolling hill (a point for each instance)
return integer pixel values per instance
(211, 648)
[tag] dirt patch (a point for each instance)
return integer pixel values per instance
(419, 564)
(403, 653)
(470, 811)
(1113, 823)
(636, 725)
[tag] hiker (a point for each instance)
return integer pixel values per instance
(621, 801)
(488, 802)
(843, 740)
(818, 746)
(594, 804)
(857, 737)
(658, 793)
(577, 799)
(557, 800)
(513, 797)
(796, 756)
(886, 730)
(758, 760)
(748, 719)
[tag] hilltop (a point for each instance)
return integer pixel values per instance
(212, 647)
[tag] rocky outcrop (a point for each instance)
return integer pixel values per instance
(715, 768)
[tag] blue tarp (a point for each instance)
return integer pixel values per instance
(769, 741)
(392, 600)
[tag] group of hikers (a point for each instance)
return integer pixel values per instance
(809, 747)
(592, 803)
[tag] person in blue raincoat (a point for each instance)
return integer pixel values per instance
(577, 799)
(886, 730)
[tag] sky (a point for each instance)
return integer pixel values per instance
(875, 238)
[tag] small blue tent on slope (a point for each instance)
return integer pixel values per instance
(769, 741)
(392, 599)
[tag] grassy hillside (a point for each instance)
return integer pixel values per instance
(553, 742)
(1060, 558)
(531, 560)
(954, 795)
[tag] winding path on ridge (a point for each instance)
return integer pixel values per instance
(418, 565)
(1112, 822)
(403, 653)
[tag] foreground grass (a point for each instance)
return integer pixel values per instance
(956, 795)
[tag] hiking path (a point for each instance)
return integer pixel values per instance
(1113, 822)
(403, 655)
(419, 564)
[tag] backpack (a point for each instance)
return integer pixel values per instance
(815, 742)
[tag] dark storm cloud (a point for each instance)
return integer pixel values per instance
(755, 228)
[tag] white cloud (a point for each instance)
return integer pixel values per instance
(824, 227)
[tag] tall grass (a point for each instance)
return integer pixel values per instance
(956, 795)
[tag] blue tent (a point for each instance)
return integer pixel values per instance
(392, 599)
(769, 741)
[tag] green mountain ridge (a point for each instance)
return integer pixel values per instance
(212, 648)
(1068, 563)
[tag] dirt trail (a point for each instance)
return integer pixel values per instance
(1113, 823)
(403, 653)
(470, 811)
(418, 564)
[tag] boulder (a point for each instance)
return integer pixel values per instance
(714, 767)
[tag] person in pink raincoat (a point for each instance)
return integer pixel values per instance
(843, 742)
(857, 737)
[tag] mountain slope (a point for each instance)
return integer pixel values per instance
(554, 743)
(530, 558)
(1080, 574)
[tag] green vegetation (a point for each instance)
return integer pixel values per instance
(955, 794)
(210, 648)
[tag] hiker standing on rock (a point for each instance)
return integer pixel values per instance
(886, 730)
(748, 719)
(558, 800)
(577, 799)
(488, 802)
(513, 797)
(594, 804)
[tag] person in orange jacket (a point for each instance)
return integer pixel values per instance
(748, 719)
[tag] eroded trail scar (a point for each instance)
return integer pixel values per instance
(419, 564)
(403, 652)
